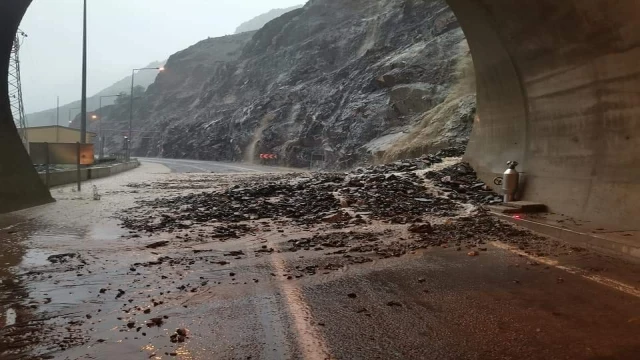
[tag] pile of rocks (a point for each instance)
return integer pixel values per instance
(344, 218)
(395, 197)
(305, 201)
(475, 231)
(398, 198)
(355, 240)
(400, 166)
(461, 183)
(456, 151)
(392, 193)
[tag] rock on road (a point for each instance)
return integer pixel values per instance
(175, 261)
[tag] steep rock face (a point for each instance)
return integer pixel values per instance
(346, 77)
(172, 95)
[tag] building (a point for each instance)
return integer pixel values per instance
(56, 134)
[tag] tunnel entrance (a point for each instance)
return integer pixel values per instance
(20, 185)
(557, 91)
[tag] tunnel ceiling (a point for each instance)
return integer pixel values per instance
(557, 91)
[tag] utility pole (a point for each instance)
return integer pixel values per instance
(70, 110)
(58, 119)
(101, 134)
(15, 87)
(83, 106)
(133, 76)
(128, 138)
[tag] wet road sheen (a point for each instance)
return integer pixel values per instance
(119, 294)
(200, 166)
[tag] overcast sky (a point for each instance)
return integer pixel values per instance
(122, 34)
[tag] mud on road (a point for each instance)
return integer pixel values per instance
(271, 266)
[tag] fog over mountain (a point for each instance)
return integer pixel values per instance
(108, 73)
(122, 35)
(260, 21)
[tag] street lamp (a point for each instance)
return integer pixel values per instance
(94, 117)
(133, 74)
(70, 110)
(99, 117)
(126, 147)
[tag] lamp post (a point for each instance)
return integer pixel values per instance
(126, 148)
(83, 98)
(70, 110)
(133, 74)
(100, 134)
(58, 119)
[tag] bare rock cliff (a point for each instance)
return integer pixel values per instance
(358, 80)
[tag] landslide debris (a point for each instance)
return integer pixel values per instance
(395, 193)
(368, 213)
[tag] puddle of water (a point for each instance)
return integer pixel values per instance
(10, 316)
(36, 257)
(106, 231)
(40, 246)
(55, 237)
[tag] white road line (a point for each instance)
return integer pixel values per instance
(310, 341)
(614, 284)
(188, 166)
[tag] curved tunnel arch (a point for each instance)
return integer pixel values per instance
(20, 186)
(558, 91)
(557, 85)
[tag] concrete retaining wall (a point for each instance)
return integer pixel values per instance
(70, 176)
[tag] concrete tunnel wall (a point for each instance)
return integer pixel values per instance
(20, 186)
(557, 91)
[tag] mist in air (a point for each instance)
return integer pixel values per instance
(123, 35)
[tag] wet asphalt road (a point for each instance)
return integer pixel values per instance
(431, 304)
(200, 166)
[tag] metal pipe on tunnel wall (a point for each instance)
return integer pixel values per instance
(20, 185)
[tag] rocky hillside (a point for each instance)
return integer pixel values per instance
(259, 21)
(347, 78)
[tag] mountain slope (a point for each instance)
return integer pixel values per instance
(346, 77)
(261, 20)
